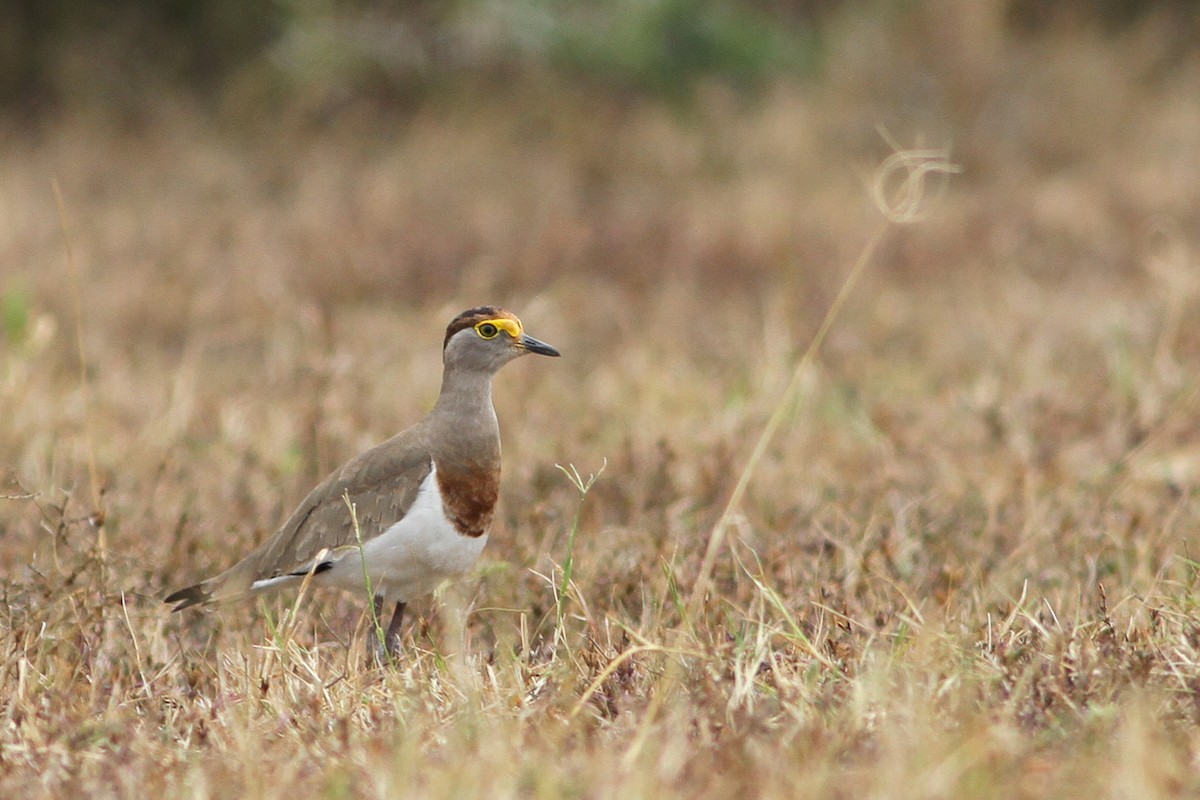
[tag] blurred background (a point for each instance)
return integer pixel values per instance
(306, 56)
(611, 137)
(612, 131)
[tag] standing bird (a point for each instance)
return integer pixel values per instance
(424, 498)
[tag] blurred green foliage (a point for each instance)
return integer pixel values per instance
(665, 46)
(116, 54)
(53, 51)
(14, 312)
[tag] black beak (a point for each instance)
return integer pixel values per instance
(535, 346)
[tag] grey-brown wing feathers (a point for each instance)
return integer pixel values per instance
(382, 483)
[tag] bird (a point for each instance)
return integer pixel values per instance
(423, 499)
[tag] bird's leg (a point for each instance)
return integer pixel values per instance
(375, 648)
(392, 639)
(389, 648)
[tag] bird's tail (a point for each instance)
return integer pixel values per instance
(232, 584)
(239, 582)
(198, 594)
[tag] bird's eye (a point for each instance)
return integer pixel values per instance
(487, 330)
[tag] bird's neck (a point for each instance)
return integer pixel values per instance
(465, 393)
(466, 418)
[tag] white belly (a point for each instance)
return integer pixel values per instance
(414, 555)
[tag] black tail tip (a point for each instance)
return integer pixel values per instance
(186, 598)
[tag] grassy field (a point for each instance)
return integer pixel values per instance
(965, 565)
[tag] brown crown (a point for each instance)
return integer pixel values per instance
(473, 316)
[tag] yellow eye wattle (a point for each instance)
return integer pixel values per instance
(490, 328)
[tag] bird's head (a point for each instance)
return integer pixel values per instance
(488, 337)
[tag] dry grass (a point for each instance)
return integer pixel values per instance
(964, 567)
